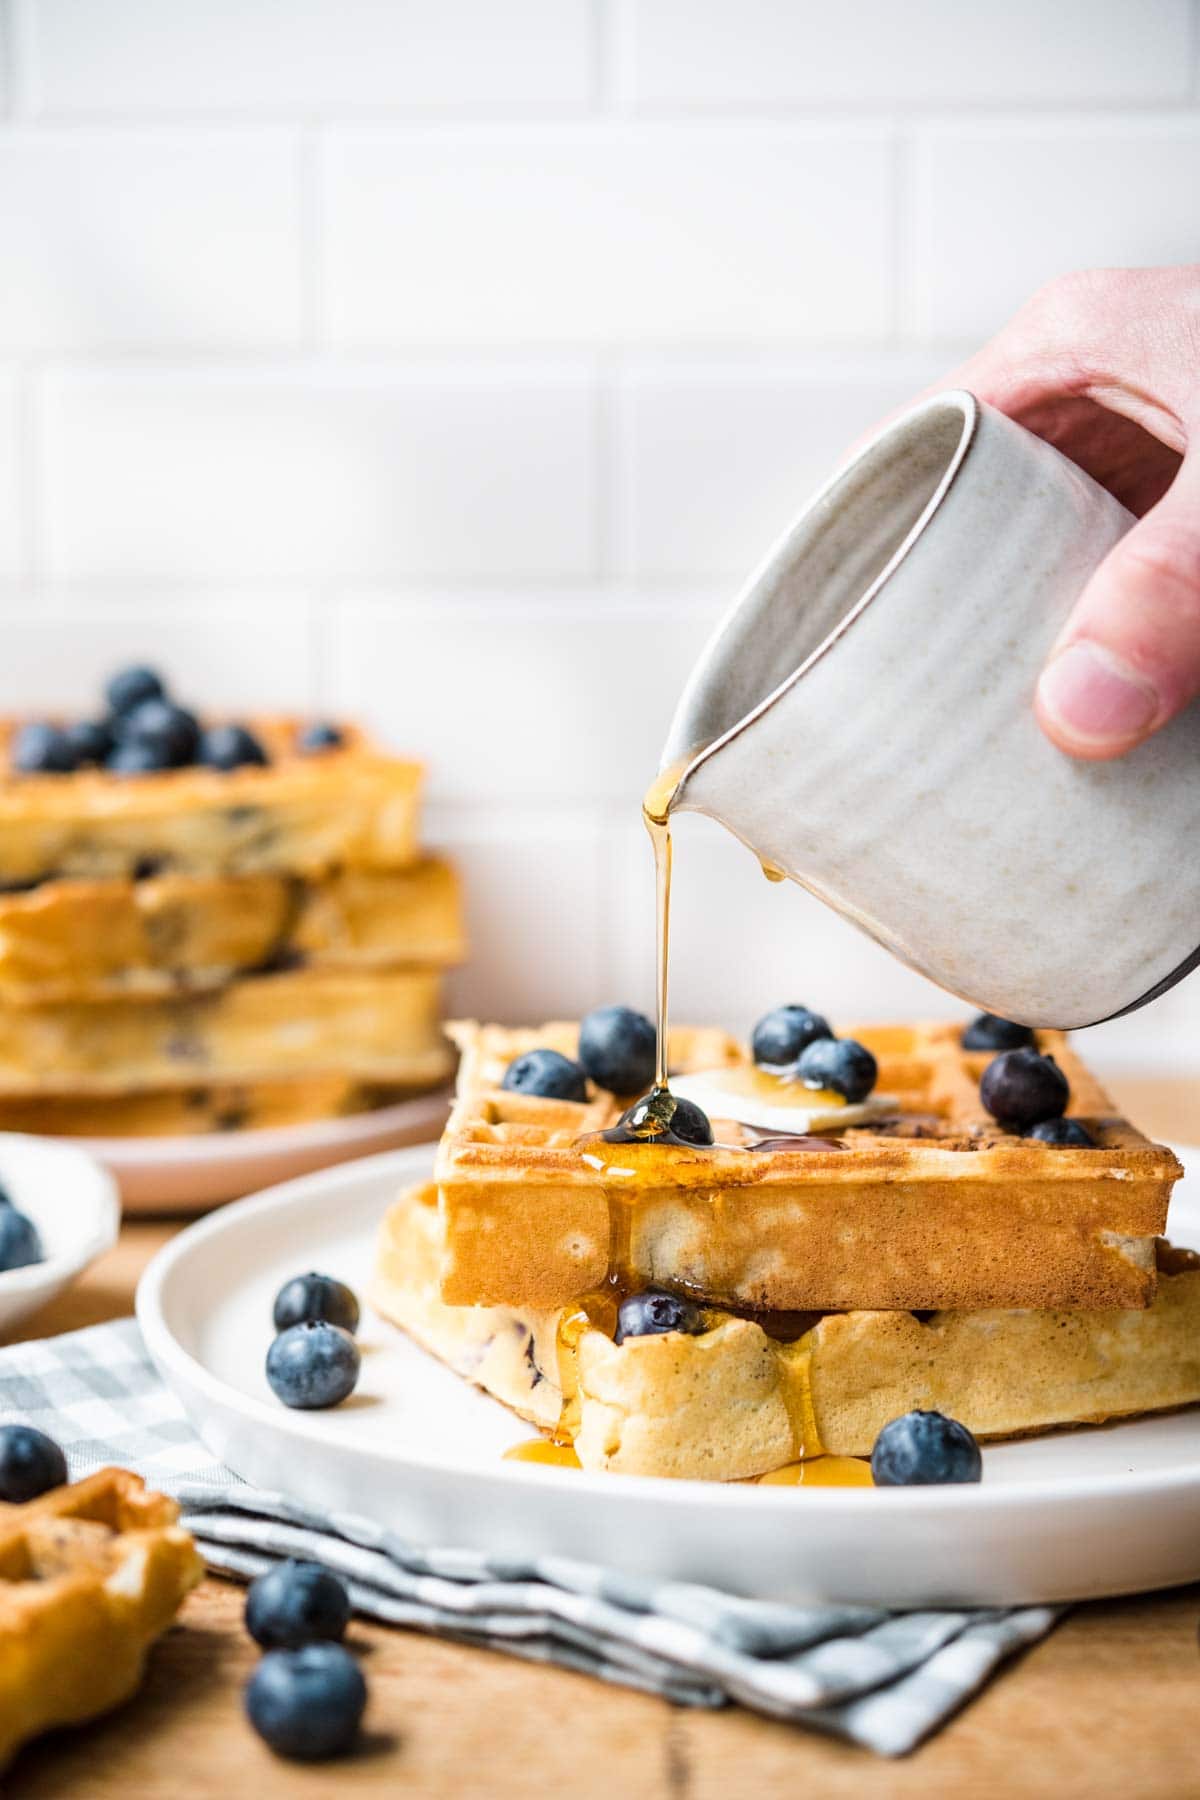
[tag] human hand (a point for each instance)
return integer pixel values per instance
(1105, 365)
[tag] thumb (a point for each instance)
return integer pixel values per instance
(1128, 658)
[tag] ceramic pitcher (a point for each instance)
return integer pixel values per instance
(863, 719)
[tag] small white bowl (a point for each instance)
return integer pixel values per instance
(73, 1203)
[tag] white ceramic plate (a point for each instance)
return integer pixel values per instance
(182, 1174)
(1105, 1510)
(72, 1202)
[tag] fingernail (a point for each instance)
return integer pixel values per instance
(1093, 695)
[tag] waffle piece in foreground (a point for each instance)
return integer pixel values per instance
(739, 1401)
(90, 1575)
(100, 940)
(935, 1207)
(303, 812)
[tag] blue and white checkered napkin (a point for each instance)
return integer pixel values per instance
(883, 1680)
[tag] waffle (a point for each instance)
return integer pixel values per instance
(301, 814)
(90, 1575)
(740, 1401)
(95, 940)
(938, 1208)
(197, 1111)
(380, 1027)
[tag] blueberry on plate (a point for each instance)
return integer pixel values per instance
(313, 1365)
(91, 740)
(20, 1245)
(30, 1463)
(230, 747)
(839, 1064)
(1062, 1131)
(321, 736)
(297, 1603)
(924, 1449)
(1021, 1088)
(314, 1296)
(170, 730)
(42, 749)
(547, 1073)
(307, 1703)
(616, 1048)
(136, 759)
(987, 1031)
(780, 1036)
(653, 1313)
(131, 686)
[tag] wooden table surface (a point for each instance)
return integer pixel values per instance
(1108, 1704)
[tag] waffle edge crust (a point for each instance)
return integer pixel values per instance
(90, 1575)
(944, 1210)
(736, 1402)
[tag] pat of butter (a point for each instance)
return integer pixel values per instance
(772, 1102)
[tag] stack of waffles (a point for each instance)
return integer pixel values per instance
(924, 1259)
(197, 948)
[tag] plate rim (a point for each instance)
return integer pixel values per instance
(105, 1222)
(172, 1358)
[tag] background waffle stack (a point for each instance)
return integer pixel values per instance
(926, 1259)
(203, 948)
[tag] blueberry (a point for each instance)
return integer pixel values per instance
(659, 1113)
(230, 747)
(297, 1603)
(313, 1365)
(1062, 1131)
(30, 1463)
(308, 1703)
(136, 759)
(42, 749)
(924, 1449)
(617, 1048)
(841, 1064)
(547, 1073)
(314, 1296)
(1021, 1088)
(653, 1313)
(130, 687)
(170, 730)
(91, 740)
(20, 1245)
(321, 736)
(987, 1031)
(781, 1035)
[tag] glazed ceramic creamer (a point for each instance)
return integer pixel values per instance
(863, 719)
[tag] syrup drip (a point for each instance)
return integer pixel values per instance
(821, 1471)
(542, 1450)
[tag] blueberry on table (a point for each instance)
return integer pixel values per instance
(136, 759)
(297, 1603)
(91, 740)
(131, 686)
(321, 736)
(42, 749)
(20, 1245)
(617, 1049)
(839, 1064)
(1062, 1131)
(653, 1314)
(314, 1296)
(313, 1365)
(307, 1703)
(1021, 1088)
(230, 747)
(987, 1031)
(30, 1463)
(781, 1035)
(171, 731)
(546, 1072)
(924, 1449)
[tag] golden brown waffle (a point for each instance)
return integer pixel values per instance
(90, 1575)
(938, 1208)
(380, 1027)
(738, 1401)
(194, 1111)
(303, 813)
(96, 940)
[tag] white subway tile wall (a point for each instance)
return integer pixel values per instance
(451, 363)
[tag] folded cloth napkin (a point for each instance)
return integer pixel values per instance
(881, 1679)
